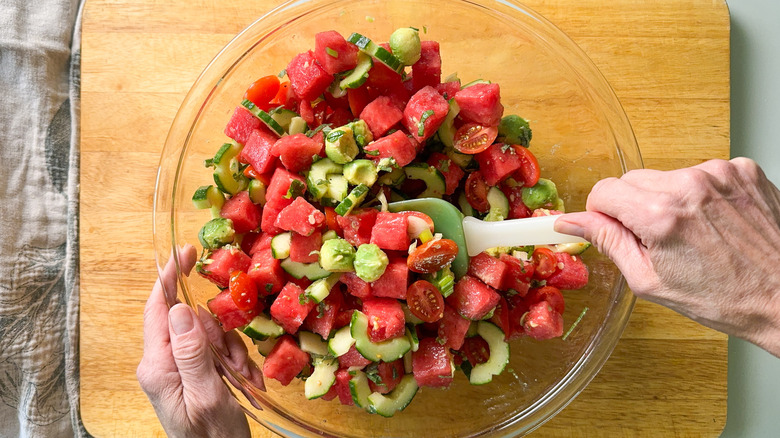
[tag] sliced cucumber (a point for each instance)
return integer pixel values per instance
(265, 346)
(462, 160)
(499, 205)
(392, 178)
(572, 248)
(341, 342)
(338, 188)
(256, 191)
(209, 197)
(358, 387)
(227, 173)
(464, 205)
(312, 343)
(322, 378)
(264, 117)
(409, 316)
(399, 398)
(312, 271)
(317, 179)
(280, 245)
(320, 289)
(499, 354)
(433, 179)
(387, 351)
(408, 363)
(380, 53)
(262, 327)
(359, 74)
(298, 126)
(355, 197)
(411, 333)
(447, 129)
(283, 117)
(475, 82)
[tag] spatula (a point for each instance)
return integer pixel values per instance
(474, 236)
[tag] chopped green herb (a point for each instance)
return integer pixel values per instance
(444, 165)
(269, 287)
(576, 322)
(373, 153)
(425, 29)
(369, 18)
(296, 189)
(303, 299)
(414, 28)
(282, 73)
(332, 52)
(321, 308)
(334, 135)
(421, 124)
(312, 132)
(209, 162)
(372, 372)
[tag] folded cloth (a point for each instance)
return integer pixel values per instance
(39, 152)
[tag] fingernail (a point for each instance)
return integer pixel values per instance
(181, 319)
(565, 227)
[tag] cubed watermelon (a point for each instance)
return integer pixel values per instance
(244, 214)
(518, 307)
(501, 317)
(551, 294)
(357, 225)
(390, 231)
(572, 272)
(358, 98)
(305, 249)
(291, 307)
(307, 77)
(341, 386)
(395, 280)
(322, 318)
(489, 269)
(385, 318)
(451, 171)
(519, 274)
(266, 272)
(356, 286)
(427, 70)
(452, 328)
(543, 322)
(517, 209)
(472, 298)
(300, 216)
(480, 103)
(382, 78)
(432, 364)
(260, 242)
(271, 211)
(334, 53)
(228, 314)
(352, 358)
(223, 261)
(448, 89)
(296, 151)
(241, 125)
(306, 112)
(396, 146)
(387, 376)
(285, 360)
(280, 185)
(498, 162)
(257, 151)
(380, 115)
(426, 109)
(339, 117)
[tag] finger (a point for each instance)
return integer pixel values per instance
(635, 208)
(186, 260)
(646, 179)
(214, 331)
(238, 356)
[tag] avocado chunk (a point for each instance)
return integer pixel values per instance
(216, 232)
(360, 171)
(514, 129)
(405, 44)
(544, 193)
(370, 262)
(337, 255)
(360, 131)
(340, 145)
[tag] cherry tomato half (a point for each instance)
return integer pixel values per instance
(281, 95)
(425, 301)
(243, 290)
(550, 294)
(529, 170)
(262, 91)
(476, 350)
(331, 220)
(432, 256)
(472, 138)
(476, 192)
(545, 262)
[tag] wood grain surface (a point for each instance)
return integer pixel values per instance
(668, 61)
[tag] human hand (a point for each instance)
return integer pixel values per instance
(703, 241)
(177, 371)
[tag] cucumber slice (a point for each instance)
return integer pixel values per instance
(464, 205)
(358, 387)
(262, 327)
(359, 74)
(380, 53)
(409, 316)
(572, 248)
(312, 343)
(321, 379)
(341, 342)
(355, 197)
(329, 235)
(317, 178)
(297, 126)
(408, 363)
(499, 354)
(411, 333)
(312, 271)
(387, 351)
(265, 346)
(338, 188)
(209, 197)
(280, 245)
(393, 178)
(447, 129)
(257, 190)
(462, 160)
(283, 117)
(499, 205)
(475, 82)
(433, 179)
(399, 398)
(320, 289)
(227, 174)
(264, 117)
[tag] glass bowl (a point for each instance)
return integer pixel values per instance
(580, 135)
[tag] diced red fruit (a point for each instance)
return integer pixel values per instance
(242, 212)
(334, 53)
(356, 286)
(498, 162)
(452, 328)
(291, 307)
(480, 103)
(427, 99)
(342, 387)
(307, 77)
(427, 70)
(352, 359)
(266, 272)
(249, 240)
(380, 115)
(476, 350)
(385, 318)
(432, 364)
(357, 225)
(518, 307)
(241, 125)
(501, 317)
(476, 190)
(451, 171)
(280, 185)
(223, 262)
(472, 298)
(519, 274)
(552, 295)
(305, 249)
(390, 374)
(296, 151)
(322, 318)
(517, 209)
(572, 273)
(285, 361)
(448, 89)
(394, 281)
(543, 322)
(358, 98)
(257, 151)
(389, 231)
(339, 117)
(306, 112)
(383, 78)
(489, 269)
(300, 216)
(228, 314)
(396, 145)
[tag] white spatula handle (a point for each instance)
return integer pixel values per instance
(481, 235)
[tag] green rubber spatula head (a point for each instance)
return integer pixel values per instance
(474, 236)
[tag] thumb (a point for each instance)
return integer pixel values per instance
(192, 354)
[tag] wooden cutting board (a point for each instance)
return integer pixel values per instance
(668, 61)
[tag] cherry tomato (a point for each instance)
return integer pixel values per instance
(250, 172)
(529, 170)
(425, 301)
(476, 350)
(331, 220)
(476, 192)
(550, 294)
(432, 256)
(472, 138)
(545, 263)
(262, 91)
(281, 95)
(320, 111)
(501, 316)
(243, 290)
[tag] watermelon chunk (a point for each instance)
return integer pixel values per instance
(223, 261)
(451, 171)
(452, 328)
(357, 225)
(334, 53)
(390, 231)
(388, 376)
(342, 386)
(489, 269)
(305, 249)
(427, 70)
(480, 103)
(448, 89)
(498, 162)
(291, 307)
(339, 117)
(322, 318)
(280, 185)
(380, 115)
(572, 273)
(244, 214)
(432, 364)
(352, 358)
(394, 281)
(426, 101)
(296, 151)
(396, 145)
(228, 314)
(285, 360)
(266, 272)
(543, 322)
(356, 286)
(382, 78)
(358, 98)
(260, 242)
(385, 318)
(257, 151)
(241, 125)
(472, 298)
(518, 307)
(300, 216)
(517, 209)
(307, 77)
(551, 294)
(519, 274)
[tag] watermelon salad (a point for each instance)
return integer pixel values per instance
(335, 289)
